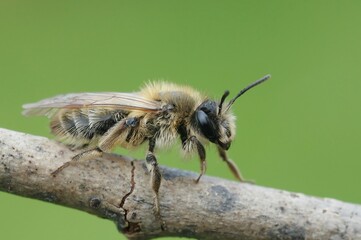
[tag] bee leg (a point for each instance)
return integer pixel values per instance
(108, 141)
(105, 144)
(87, 155)
(202, 157)
(187, 146)
(156, 177)
(231, 165)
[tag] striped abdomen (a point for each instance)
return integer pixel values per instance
(79, 127)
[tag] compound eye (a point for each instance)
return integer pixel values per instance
(206, 125)
(209, 107)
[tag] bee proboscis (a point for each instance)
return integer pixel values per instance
(158, 114)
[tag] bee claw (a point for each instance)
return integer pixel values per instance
(199, 178)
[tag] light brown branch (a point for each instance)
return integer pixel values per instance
(117, 188)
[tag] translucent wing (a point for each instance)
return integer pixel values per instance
(114, 100)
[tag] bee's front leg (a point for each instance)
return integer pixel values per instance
(188, 146)
(231, 165)
(202, 156)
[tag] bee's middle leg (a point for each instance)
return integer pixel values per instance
(156, 177)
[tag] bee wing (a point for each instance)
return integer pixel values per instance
(114, 100)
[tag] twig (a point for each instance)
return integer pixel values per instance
(117, 188)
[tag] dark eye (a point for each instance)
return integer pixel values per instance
(209, 107)
(207, 126)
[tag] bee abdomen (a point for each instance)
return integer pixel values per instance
(84, 124)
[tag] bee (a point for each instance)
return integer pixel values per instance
(157, 115)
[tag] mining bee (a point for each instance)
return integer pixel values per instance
(157, 115)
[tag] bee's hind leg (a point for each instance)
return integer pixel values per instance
(87, 155)
(106, 142)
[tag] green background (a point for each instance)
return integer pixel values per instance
(299, 132)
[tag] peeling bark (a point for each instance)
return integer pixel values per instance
(118, 188)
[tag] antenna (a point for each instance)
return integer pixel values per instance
(224, 96)
(259, 81)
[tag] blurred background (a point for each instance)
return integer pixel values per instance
(299, 132)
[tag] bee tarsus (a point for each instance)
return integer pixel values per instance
(86, 155)
(231, 165)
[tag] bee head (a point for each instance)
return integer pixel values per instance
(216, 122)
(216, 126)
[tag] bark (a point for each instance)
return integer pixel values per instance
(118, 188)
